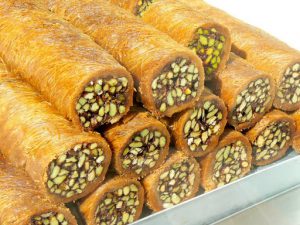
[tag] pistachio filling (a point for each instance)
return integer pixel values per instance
(143, 151)
(230, 162)
(289, 89)
(70, 173)
(142, 6)
(271, 140)
(50, 218)
(209, 46)
(102, 101)
(118, 207)
(253, 99)
(203, 123)
(177, 83)
(176, 183)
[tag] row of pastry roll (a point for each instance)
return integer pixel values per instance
(187, 22)
(262, 50)
(168, 76)
(22, 203)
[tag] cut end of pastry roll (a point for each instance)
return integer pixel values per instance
(253, 99)
(288, 93)
(248, 93)
(104, 100)
(230, 161)
(140, 143)
(118, 201)
(212, 44)
(196, 131)
(176, 181)
(177, 84)
(73, 174)
(271, 137)
(49, 218)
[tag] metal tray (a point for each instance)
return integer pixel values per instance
(207, 208)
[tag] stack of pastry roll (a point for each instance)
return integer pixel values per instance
(210, 40)
(22, 203)
(262, 50)
(84, 82)
(65, 162)
(196, 131)
(296, 141)
(248, 93)
(140, 144)
(271, 137)
(119, 201)
(177, 180)
(169, 77)
(230, 161)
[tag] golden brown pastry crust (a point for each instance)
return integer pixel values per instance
(143, 50)
(151, 181)
(261, 49)
(53, 56)
(273, 116)
(296, 140)
(89, 204)
(35, 133)
(179, 121)
(233, 80)
(180, 22)
(21, 199)
(207, 163)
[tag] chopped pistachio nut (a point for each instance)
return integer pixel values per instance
(289, 89)
(70, 173)
(209, 46)
(118, 207)
(50, 218)
(177, 84)
(271, 140)
(176, 183)
(230, 163)
(203, 123)
(143, 151)
(253, 100)
(102, 101)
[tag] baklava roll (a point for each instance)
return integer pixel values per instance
(262, 50)
(169, 77)
(208, 39)
(120, 200)
(230, 161)
(296, 139)
(84, 82)
(248, 93)
(22, 203)
(65, 162)
(196, 131)
(174, 182)
(140, 144)
(271, 137)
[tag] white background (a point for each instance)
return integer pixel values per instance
(281, 18)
